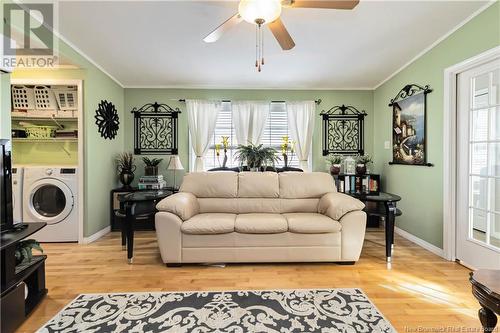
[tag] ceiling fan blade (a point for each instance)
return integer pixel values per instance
(328, 4)
(281, 34)
(221, 29)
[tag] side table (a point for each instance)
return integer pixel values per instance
(137, 205)
(388, 211)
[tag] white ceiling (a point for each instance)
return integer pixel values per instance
(160, 43)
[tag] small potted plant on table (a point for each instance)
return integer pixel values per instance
(151, 166)
(126, 168)
(361, 162)
(256, 156)
(335, 162)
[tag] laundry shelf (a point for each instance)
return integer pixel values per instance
(43, 119)
(60, 140)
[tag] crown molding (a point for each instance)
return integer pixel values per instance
(439, 40)
(231, 87)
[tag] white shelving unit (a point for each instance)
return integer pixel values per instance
(78, 121)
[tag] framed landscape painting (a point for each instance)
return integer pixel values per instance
(409, 126)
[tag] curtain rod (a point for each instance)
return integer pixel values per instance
(317, 101)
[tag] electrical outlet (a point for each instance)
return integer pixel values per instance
(387, 144)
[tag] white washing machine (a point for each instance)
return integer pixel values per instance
(50, 194)
(17, 193)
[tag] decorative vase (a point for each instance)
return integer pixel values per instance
(285, 160)
(360, 169)
(151, 170)
(335, 169)
(126, 178)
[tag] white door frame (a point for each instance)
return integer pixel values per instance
(81, 140)
(450, 146)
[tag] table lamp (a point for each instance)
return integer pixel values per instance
(175, 164)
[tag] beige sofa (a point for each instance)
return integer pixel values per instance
(222, 217)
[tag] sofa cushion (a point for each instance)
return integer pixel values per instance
(258, 185)
(209, 224)
(311, 223)
(211, 184)
(302, 185)
(260, 223)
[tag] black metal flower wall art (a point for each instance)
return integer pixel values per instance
(106, 119)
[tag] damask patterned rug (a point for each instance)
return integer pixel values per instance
(277, 311)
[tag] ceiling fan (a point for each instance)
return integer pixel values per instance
(267, 12)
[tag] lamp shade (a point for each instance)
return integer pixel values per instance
(175, 163)
(267, 10)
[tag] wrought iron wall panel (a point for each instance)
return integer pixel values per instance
(155, 129)
(343, 131)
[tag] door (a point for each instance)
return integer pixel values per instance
(50, 200)
(478, 173)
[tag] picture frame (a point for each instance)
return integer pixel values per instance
(409, 126)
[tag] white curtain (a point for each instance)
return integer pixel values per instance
(202, 116)
(301, 116)
(249, 119)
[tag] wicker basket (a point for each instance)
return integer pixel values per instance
(40, 132)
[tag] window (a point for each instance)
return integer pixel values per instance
(276, 128)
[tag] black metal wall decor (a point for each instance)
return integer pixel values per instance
(107, 120)
(409, 125)
(343, 130)
(155, 129)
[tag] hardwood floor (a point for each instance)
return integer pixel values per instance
(418, 293)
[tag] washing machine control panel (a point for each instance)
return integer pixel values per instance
(49, 172)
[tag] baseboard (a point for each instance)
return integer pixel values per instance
(420, 242)
(97, 235)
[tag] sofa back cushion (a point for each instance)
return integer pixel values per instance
(258, 185)
(258, 192)
(211, 184)
(304, 185)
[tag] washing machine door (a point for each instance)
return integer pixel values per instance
(50, 200)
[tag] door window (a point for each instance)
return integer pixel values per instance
(484, 159)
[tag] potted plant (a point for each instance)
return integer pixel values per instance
(24, 250)
(335, 162)
(256, 156)
(151, 166)
(126, 168)
(361, 162)
(287, 150)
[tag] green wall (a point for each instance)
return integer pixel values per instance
(4, 106)
(361, 99)
(422, 187)
(99, 154)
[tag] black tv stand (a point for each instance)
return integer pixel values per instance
(16, 227)
(16, 280)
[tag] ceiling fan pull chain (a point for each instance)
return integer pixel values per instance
(256, 46)
(262, 47)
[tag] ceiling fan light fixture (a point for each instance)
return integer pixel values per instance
(255, 11)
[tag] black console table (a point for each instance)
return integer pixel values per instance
(16, 280)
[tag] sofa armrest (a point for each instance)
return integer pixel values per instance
(183, 204)
(335, 205)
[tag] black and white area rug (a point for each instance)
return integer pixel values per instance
(277, 311)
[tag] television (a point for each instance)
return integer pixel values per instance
(6, 218)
